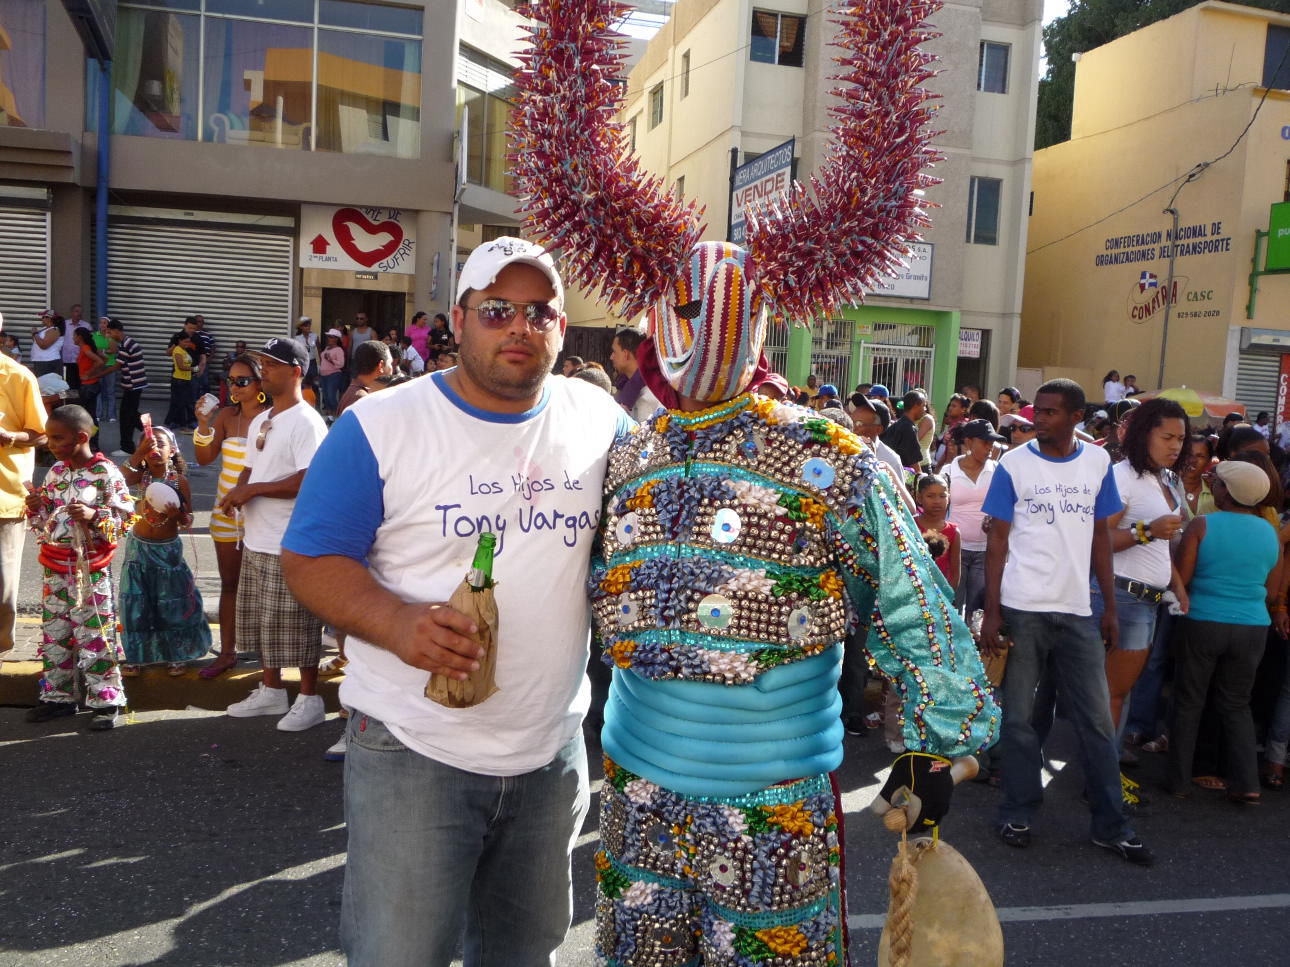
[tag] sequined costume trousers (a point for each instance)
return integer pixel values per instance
(80, 638)
(730, 881)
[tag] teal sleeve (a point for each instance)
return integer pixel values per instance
(915, 637)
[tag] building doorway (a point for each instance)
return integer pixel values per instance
(385, 310)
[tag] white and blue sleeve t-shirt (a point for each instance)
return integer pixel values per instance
(1052, 504)
(405, 482)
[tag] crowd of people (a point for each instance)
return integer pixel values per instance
(1159, 625)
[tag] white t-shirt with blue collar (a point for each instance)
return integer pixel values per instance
(405, 482)
(1052, 504)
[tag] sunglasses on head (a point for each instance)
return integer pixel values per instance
(241, 380)
(496, 313)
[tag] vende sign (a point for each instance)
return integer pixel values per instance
(757, 182)
(358, 239)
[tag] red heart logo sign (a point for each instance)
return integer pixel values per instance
(367, 249)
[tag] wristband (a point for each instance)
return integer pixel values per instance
(204, 439)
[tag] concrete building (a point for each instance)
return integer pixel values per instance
(1107, 265)
(269, 158)
(728, 80)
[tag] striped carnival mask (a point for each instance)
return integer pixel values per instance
(709, 327)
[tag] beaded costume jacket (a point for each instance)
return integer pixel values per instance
(756, 534)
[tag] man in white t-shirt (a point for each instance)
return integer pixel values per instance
(1049, 502)
(280, 443)
(462, 817)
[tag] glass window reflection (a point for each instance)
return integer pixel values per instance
(369, 95)
(297, 10)
(154, 74)
(258, 80)
(22, 63)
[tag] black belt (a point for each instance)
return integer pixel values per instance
(1143, 592)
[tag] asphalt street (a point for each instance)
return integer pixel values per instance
(188, 838)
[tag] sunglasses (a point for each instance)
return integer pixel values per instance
(242, 381)
(496, 313)
(264, 432)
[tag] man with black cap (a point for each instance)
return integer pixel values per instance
(280, 446)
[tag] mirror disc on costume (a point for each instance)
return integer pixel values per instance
(799, 623)
(716, 611)
(818, 473)
(659, 836)
(723, 871)
(726, 526)
(628, 611)
(797, 870)
(628, 528)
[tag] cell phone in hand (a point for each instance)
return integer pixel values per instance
(146, 420)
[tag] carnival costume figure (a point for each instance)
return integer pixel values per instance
(743, 538)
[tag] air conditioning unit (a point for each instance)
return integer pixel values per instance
(95, 21)
(1273, 340)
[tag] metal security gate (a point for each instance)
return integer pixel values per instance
(1257, 375)
(24, 270)
(776, 347)
(831, 354)
(900, 357)
(239, 278)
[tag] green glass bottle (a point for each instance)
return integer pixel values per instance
(480, 575)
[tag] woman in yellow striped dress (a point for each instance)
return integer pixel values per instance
(222, 433)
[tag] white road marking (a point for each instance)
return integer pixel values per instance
(1091, 911)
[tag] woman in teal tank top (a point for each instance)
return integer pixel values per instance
(1228, 561)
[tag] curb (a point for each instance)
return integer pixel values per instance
(156, 690)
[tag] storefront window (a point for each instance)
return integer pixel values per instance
(265, 75)
(22, 63)
(258, 83)
(154, 74)
(369, 95)
(484, 85)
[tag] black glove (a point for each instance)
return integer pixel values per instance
(922, 783)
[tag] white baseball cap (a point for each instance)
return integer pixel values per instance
(487, 261)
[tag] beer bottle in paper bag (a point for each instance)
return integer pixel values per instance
(473, 598)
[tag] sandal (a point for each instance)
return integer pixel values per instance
(332, 666)
(1212, 783)
(176, 669)
(1245, 798)
(1274, 780)
(218, 667)
(1158, 744)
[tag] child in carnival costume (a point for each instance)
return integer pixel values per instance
(79, 514)
(742, 537)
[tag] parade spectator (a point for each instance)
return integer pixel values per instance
(1042, 594)
(925, 426)
(1261, 424)
(877, 391)
(82, 503)
(105, 344)
(10, 346)
(133, 379)
(445, 361)
(222, 435)
(1228, 561)
(596, 377)
(269, 618)
(633, 395)
(372, 365)
(410, 360)
(985, 410)
(571, 365)
(180, 415)
(1112, 388)
(956, 412)
(418, 334)
(331, 367)
(1142, 533)
(47, 344)
(932, 495)
(1195, 475)
(205, 358)
(89, 365)
(22, 429)
(162, 617)
(971, 391)
(812, 391)
(379, 577)
(361, 332)
(1009, 399)
(71, 348)
(440, 338)
(1020, 426)
(827, 397)
(969, 477)
(902, 436)
(1131, 386)
(308, 341)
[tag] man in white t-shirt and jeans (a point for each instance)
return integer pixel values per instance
(280, 444)
(462, 818)
(1049, 502)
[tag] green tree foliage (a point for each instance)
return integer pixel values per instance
(1090, 24)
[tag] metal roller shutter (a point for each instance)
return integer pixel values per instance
(240, 280)
(24, 269)
(1257, 375)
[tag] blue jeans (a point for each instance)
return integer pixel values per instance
(333, 384)
(971, 591)
(107, 397)
(1145, 717)
(1279, 730)
(1137, 621)
(434, 849)
(1069, 648)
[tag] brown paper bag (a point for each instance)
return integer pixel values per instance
(481, 608)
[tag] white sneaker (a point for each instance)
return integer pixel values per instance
(262, 701)
(337, 752)
(307, 712)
